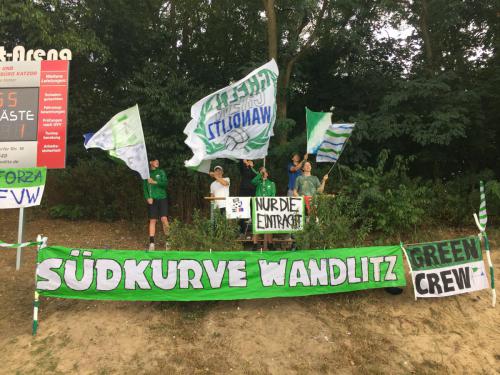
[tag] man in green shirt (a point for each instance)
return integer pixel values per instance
(155, 193)
(264, 187)
(308, 185)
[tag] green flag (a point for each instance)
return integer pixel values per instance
(317, 124)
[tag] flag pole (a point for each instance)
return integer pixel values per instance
(481, 224)
(331, 169)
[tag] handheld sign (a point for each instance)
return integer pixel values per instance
(277, 214)
(238, 208)
(21, 187)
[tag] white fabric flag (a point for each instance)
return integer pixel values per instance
(235, 122)
(123, 138)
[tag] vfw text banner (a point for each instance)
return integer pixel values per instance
(195, 276)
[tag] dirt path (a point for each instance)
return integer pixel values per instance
(368, 332)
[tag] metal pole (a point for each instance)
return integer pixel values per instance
(36, 300)
(20, 230)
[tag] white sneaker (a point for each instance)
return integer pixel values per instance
(151, 247)
(167, 245)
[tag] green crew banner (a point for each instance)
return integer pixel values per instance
(196, 276)
(447, 268)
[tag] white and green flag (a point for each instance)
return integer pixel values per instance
(317, 123)
(324, 139)
(235, 122)
(123, 138)
(334, 142)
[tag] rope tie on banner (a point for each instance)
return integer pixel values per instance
(23, 244)
(409, 267)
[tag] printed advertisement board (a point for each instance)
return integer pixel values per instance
(33, 113)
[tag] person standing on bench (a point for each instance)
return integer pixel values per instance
(219, 188)
(308, 186)
(264, 188)
(294, 171)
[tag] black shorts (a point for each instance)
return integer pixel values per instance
(158, 209)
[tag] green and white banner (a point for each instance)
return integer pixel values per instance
(235, 122)
(277, 214)
(447, 268)
(196, 276)
(21, 187)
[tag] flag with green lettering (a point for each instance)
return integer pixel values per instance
(196, 275)
(235, 122)
(447, 268)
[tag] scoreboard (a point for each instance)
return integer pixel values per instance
(33, 113)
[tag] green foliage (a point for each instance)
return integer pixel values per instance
(334, 223)
(201, 234)
(95, 189)
(431, 97)
(394, 202)
(455, 201)
(63, 211)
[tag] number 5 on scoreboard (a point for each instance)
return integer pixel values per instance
(11, 96)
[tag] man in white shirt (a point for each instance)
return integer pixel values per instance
(219, 188)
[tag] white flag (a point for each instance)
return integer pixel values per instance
(123, 138)
(235, 122)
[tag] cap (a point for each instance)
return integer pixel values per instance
(218, 167)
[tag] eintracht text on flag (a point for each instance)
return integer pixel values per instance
(235, 122)
(334, 142)
(123, 138)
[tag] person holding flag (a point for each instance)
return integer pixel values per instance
(155, 193)
(264, 187)
(123, 139)
(294, 171)
(308, 186)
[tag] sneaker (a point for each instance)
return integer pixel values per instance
(151, 247)
(167, 245)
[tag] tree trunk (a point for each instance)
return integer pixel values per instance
(426, 37)
(284, 83)
(272, 31)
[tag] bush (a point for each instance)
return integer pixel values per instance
(62, 211)
(455, 201)
(95, 189)
(394, 202)
(335, 222)
(201, 234)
